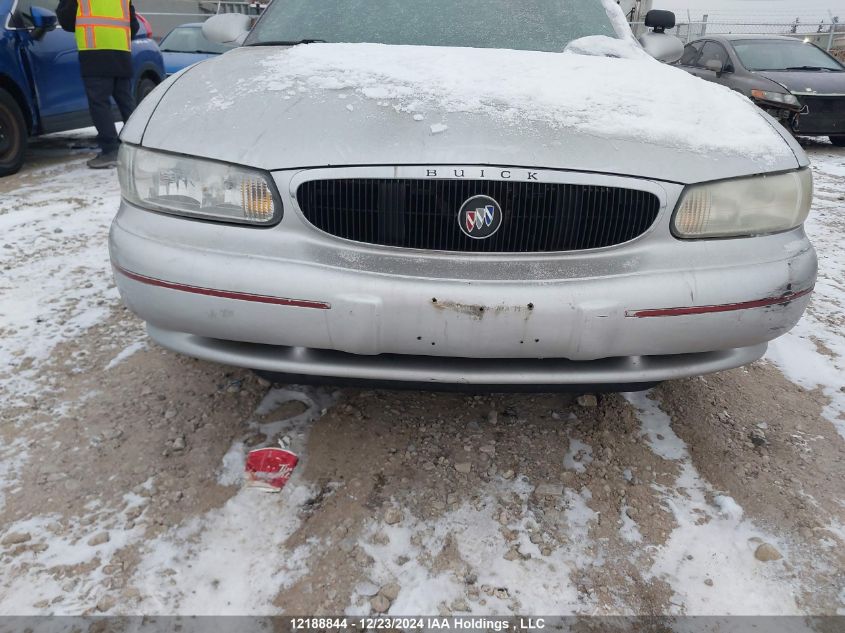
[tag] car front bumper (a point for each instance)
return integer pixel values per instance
(300, 364)
(822, 116)
(293, 301)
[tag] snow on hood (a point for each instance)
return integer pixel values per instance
(320, 105)
(603, 46)
(634, 98)
(619, 20)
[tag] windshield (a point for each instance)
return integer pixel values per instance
(784, 55)
(541, 25)
(189, 39)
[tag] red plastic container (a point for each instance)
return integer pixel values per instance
(270, 468)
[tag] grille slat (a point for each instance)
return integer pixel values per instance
(423, 214)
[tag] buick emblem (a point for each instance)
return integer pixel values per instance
(480, 217)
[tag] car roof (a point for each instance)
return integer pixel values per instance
(733, 37)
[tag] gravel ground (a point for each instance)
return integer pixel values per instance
(120, 463)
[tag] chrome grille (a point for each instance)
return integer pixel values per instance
(423, 214)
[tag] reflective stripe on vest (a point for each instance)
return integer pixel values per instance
(103, 25)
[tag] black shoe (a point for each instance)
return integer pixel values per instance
(104, 160)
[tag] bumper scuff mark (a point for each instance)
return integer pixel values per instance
(477, 311)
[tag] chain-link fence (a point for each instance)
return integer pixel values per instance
(250, 8)
(827, 35)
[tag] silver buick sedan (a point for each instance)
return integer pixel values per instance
(480, 193)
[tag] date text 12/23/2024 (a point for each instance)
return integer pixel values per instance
(417, 623)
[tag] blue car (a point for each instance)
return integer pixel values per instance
(186, 45)
(41, 88)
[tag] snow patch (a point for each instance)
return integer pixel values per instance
(812, 355)
(316, 401)
(711, 542)
(629, 531)
(234, 560)
(656, 427)
(204, 568)
(36, 576)
(618, 19)
(12, 458)
(603, 46)
(126, 353)
(718, 546)
(57, 275)
(531, 585)
(232, 471)
(796, 356)
(578, 457)
(730, 508)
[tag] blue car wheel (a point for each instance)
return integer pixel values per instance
(13, 135)
(145, 87)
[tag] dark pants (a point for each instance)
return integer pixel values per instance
(100, 91)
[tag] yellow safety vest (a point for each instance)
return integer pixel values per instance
(103, 25)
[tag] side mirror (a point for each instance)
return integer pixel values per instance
(227, 28)
(716, 66)
(662, 46)
(657, 43)
(43, 20)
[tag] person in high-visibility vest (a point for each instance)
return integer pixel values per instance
(104, 30)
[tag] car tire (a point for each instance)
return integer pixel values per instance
(145, 87)
(14, 135)
(839, 141)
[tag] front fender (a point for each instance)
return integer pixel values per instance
(133, 131)
(13, 77)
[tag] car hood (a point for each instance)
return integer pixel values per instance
(326, 105)
(808, 82)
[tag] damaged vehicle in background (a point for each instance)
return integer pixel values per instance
(794, 81)
(426, 206)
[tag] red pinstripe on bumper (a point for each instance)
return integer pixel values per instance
(223, 294)
(727, 307)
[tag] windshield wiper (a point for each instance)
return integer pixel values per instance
(283, 43)
(807, 68)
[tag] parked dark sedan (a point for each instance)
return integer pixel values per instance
(794, 81)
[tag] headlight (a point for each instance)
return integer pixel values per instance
(776, 97)
(197, 188)
(746, 206)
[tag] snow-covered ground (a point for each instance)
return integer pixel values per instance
(813, 354)
(406, 502)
